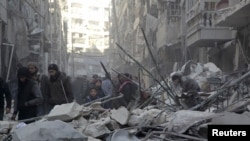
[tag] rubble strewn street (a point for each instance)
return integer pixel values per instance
(155, 121)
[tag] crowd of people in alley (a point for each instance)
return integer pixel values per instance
(37, 93)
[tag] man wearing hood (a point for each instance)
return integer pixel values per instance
(28, 96)
(60, 91)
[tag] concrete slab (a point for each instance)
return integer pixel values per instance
(120, 115)
(97, 128)
(182, 120)
(48, 130)
(232, 118)
(5, 126)
(93, 139)
(65, 112)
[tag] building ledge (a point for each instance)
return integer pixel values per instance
(236, 16)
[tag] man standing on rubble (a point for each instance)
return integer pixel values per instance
(60, 91)
(42, 81)
(28, 97)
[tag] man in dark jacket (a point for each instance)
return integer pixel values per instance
(190, 87)
(42, 81)
(28, 97)
(128, 89)
(60, 91)
(187, 84)
(4, 92)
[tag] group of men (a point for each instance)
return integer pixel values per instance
(37, 93)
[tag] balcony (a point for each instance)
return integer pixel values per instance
(235, 16)
(201, 31)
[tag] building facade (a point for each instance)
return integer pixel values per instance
(31, 31)
(88, 31)
(177, 31)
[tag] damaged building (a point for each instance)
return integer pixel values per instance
(178, 31)
(31, 31)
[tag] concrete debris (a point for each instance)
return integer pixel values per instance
(81, 123)
(120, 115)
(221, 97)
(123, 135)
(134, 120)
(184, 119)
(113, 125)
(232, 119)
(86, 111)
(48, 130)
(5, 126)
(93, 139)
(65, 112)
(97, 128)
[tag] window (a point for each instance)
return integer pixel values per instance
(209, 6)
(94, 23)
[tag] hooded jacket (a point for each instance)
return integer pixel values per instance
(60, 90)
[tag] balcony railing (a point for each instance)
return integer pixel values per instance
(205, 19)
(223, 13)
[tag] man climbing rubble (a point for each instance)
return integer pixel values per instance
(189, 90)
(128, 88)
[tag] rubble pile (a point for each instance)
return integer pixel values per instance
(225, 102)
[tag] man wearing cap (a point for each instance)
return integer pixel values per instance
(60, 90)
(28, 96)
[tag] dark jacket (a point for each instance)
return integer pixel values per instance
(60, 90)
(27, 99)
(91, 98)
(4, 91)
(43, 83)
(128, 89)
(190, 85)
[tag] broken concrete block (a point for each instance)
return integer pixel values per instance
(93, 139)
(136, 112)
(213, 68)
(232, 119)
(123, 135)
(86, 111)
(48, 130)
(79, 123)
(65, 112)
(120, 115)
(5, 126)
(134, 120)
(113, 125)
(156, 115)
(182, 120)
(96, 130)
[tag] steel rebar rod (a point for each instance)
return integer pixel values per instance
(150, 74)
(170, 93)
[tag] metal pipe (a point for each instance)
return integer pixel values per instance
(170, 93)
(150, 74)
(11, 56)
